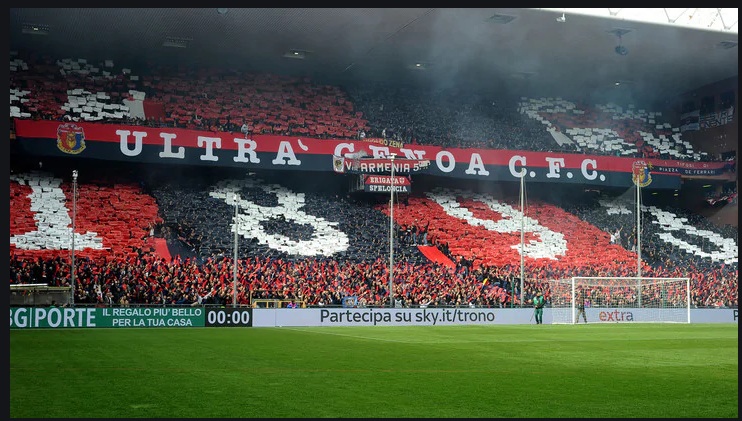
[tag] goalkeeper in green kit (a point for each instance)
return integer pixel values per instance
(581, 306)
(538, 303)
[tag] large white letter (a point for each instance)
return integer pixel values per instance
(476, 162)
(167, 148)
(340, 147)
(379, 151)
(245, 147)
(410, 154)
(511, 166)
(285, 155)
(439, 161)
(592, 175)
(210, 142)
(124, 142)
(554, 165)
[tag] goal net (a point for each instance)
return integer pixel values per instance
(619, 300)
(39, 295)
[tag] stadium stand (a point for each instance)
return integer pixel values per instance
(313, 241)
(610, 129)
(223, 100)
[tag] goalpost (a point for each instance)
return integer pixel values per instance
(620, 300)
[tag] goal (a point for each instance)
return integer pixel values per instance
(620, 300)
(39, 295)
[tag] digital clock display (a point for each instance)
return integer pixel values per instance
(229, 317)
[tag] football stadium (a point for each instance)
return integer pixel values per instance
(373, 213)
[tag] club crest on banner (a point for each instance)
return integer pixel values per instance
(640, 173)
(70, 138)
(338, 163)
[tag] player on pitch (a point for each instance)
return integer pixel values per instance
(538, 307)
(581, 306)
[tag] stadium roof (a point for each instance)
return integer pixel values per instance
(712, 19)
(555, 52)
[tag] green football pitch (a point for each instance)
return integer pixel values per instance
(541, 371)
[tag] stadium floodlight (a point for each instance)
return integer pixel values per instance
(74, 220)
(391, 233)
(620, 299)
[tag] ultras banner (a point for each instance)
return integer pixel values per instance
(384, 183)
(179, 146)
(378, 165)
(386, 180)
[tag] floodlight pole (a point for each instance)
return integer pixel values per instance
(234, 266)
(638, 231)
(639, 242)
(391, 238)
(74, 221)
(522, 236)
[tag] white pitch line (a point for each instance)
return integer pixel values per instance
(348, 336)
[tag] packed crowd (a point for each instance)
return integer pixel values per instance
(449, 118)
(200, 223)
(314, 282)
(715, 280)
(203, 272)
(205, 221)
(228, 101)
(148, 279)
(727, 195)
